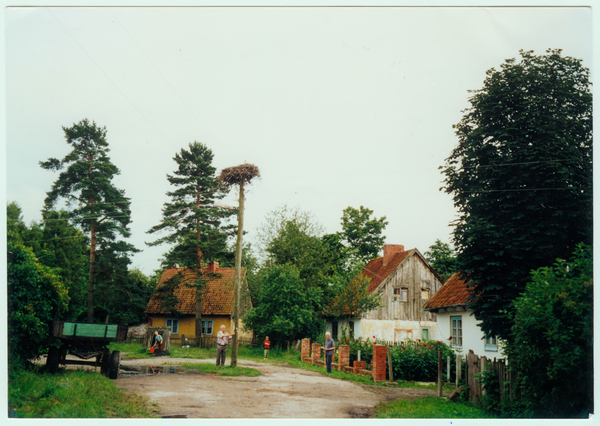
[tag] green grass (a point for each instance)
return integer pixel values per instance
(137, 351)
(429, 407)
(222, 371)
(72, 394)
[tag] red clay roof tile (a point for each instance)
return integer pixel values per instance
(454, 293)
(217, 297)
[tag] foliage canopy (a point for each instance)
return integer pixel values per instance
(521, 177)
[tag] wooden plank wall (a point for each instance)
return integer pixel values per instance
(414, 275)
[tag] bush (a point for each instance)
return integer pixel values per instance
(417, 360)
(551, 343)
(36, 297)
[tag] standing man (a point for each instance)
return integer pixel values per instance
(222, 340)
(329, 351)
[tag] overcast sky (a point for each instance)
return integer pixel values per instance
(337, 107)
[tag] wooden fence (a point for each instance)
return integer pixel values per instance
(476, 365)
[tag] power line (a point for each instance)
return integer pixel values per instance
(164, 78)
(119, 90)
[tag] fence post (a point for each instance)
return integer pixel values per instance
(440, 373)
(389, 356)
(458, 368)
(448, 369)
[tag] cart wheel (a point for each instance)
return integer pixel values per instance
(113, 365)
(52, 360)
(104, 362)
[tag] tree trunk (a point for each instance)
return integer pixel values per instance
(198, 322)
(238, 277)
(90, 299)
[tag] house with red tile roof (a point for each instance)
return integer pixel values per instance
(405, 281)
(217, 302)
(456, 322)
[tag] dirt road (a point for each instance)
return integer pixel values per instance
(279, 392)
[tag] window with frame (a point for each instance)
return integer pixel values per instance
(173, 325)
(402, 292)
(424, 334)
(351, 326)
(424, 294)
(456, 331)
(207, 327)
(491, 344)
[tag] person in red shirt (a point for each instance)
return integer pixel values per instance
(267, 346)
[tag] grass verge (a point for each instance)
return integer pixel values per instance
(72, 394)
(137, 351)
(429, 407)
(222, 371)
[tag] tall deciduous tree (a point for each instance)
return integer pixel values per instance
(361, 234)
(359, 241)
(441, 257)
(521, 177)
(352, 297)
(287, 309)
(191, 220)
(99, 207)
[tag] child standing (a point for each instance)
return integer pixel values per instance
(267, 346)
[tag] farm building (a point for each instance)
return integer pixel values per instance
(456, 322)
(405, 282)
(217, 302)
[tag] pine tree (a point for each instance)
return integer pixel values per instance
(190, 220)
(99, 208)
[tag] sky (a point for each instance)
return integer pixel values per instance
(337, 106)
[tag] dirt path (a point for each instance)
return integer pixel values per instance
(279, 392)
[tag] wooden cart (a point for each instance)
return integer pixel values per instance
(88, 342)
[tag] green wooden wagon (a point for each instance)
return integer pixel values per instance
(88, 342)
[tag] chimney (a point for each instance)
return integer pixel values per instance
(213, 266)
(389, 250)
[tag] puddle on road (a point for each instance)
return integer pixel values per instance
(149, 369)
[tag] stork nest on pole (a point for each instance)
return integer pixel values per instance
(239, 174)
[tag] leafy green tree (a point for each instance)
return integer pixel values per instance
(35, 298)
(352, 297)
(551, 344)
(359, 241)
(291, 236)
(15, 227)
(441, 258)
(100, 208)
(361, 235)
(191, 221)
(287, 309)
(126, 296)
(521, 177)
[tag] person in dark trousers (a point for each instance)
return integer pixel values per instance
(222, 341)
(329, 351)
